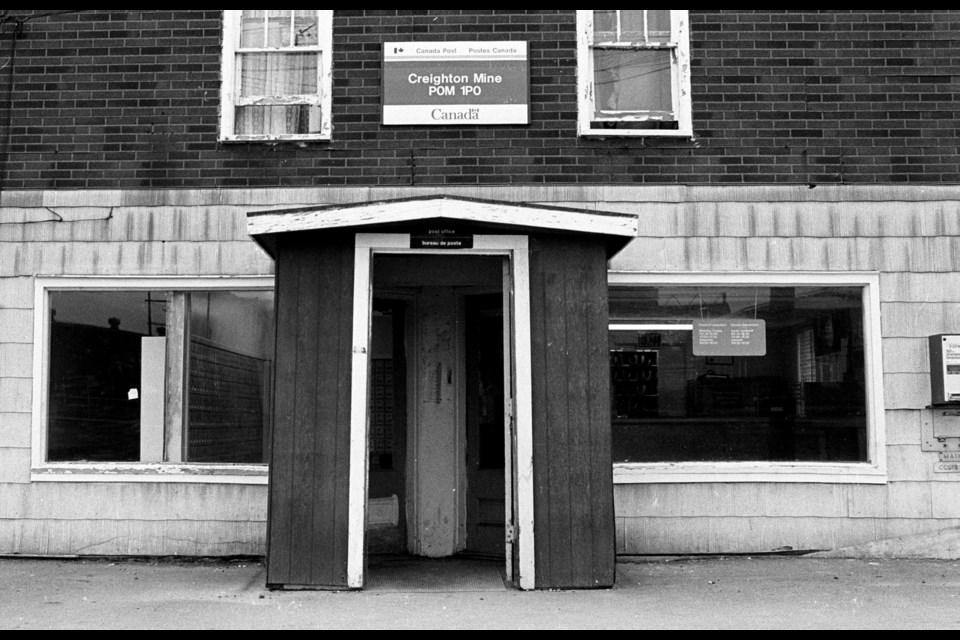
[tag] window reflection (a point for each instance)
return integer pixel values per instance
(803, 400)
(122, 370)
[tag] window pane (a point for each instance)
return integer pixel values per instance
(231, 360)
(269, 28)
(306, 29)
(605, 25)
(278, 120)
(803, 400)
(96, 355)
(278, 28)
(658, 25)
(251, 29)
(275, 74)
(637, 82)
(631, 26)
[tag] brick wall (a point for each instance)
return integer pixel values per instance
(130, 99)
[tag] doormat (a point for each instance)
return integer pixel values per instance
(426, 575)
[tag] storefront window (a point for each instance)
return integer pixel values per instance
(95, 369)
(738, 374)
(159, 376)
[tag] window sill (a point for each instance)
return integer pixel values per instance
(275, 139)
(637, 133)
(747, 472)
(151, 473)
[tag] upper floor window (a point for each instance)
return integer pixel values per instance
(634, 72)
(276, 75)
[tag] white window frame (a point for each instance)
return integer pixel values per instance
(679, 45)
(872, 472)
(229, 88)
(136, 472)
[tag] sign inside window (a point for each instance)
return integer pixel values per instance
(456, 83)
(730, 338)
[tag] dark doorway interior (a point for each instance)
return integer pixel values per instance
(412, 296)
(485, 428)
(387, 439)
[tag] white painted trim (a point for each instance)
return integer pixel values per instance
(873, 472)
(681, 22)
(735, 472)
(523, 411)
(614, 224)
(746, 278)
(325, 39)
(255, 475)
(148, 283)
(42, 471)
(873, 366)
(637, 133)
(585, 79)
(359, 418)
(231, 41)
(516, 248)
(41, 362)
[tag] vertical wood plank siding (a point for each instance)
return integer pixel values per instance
(572, 464)
(307, 537)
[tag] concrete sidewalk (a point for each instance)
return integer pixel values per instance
(686, 593)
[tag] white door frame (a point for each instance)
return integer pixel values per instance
(516, 250)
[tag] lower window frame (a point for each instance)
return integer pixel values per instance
(874, 471)
(43, 470)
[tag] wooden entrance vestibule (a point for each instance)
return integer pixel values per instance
(549, 313)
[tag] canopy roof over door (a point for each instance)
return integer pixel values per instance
(497, 216)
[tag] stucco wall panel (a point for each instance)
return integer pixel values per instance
(132, 538)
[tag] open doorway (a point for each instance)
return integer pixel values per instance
(436, 486)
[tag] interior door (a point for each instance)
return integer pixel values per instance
(485, 465)
(510, 424)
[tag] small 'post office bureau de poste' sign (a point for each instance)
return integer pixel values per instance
(441, 238)
(456, 83)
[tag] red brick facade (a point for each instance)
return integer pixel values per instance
(130, 99)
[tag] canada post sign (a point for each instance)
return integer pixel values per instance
(456, 83)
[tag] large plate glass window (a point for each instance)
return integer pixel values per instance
(159, 376)
(276, 74)
(738, 373)
(634, 71)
